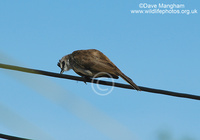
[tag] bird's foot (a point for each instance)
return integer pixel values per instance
(86, 78)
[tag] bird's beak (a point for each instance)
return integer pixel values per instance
(62, 70)
(58, 64)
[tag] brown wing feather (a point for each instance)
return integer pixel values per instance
(94, 60)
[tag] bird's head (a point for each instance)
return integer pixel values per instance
(64, 64)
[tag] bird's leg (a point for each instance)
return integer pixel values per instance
(86, 78)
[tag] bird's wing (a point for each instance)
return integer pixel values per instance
(94, 60)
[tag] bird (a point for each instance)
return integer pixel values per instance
(91, 62)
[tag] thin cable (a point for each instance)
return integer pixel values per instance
(8, 137)
(52, 74)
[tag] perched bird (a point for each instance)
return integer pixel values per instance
(88, 63)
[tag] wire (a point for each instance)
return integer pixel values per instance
(46, 73)
(8, 137)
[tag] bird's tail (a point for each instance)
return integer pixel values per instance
(127, 79)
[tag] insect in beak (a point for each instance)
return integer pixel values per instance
(62, 70)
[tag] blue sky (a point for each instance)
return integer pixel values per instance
(158, 51)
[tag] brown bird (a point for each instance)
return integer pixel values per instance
(88, 63)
